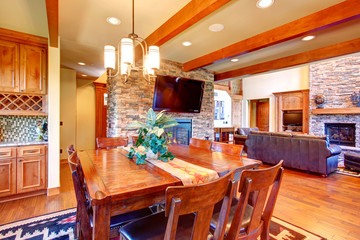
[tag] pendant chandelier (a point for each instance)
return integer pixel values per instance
(126, 57)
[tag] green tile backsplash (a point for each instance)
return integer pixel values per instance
(20, 128)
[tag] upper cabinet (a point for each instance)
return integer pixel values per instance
(9, 66)
(23, 63)
(32, 69)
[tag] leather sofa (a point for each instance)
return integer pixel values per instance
(241, 135)
(299, 151)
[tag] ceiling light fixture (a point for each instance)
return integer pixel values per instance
(81, 63)
(308, 38)
(217, 27)
(113, 20)
(126, 56)
(264, 3)
(234, 60)
(84, 75)
(186, 44)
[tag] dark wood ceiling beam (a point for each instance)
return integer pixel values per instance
(52, 10)
(340, 13)
(193, 12)
(335, 50)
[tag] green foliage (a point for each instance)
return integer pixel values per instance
(152, 135)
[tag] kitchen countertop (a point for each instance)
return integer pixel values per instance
(19, 144)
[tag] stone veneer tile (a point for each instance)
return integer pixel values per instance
(128, 101)
(336, 80)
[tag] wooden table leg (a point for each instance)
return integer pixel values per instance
(101, 220)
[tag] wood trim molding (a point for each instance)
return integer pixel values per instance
(193, 12)
(334, 15)
(333, 111)
(53, 191)
(52, 10)
(335, 50)
(19, 37)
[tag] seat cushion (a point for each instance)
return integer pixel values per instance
(234, 203)
(154, 226)
(121, 220)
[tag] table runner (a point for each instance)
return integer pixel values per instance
(187, 172)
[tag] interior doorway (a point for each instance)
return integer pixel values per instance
(259, 114)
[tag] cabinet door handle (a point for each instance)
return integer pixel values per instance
(30, 151)
(20, 160)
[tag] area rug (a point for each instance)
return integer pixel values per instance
(349, 172)
(60, 226)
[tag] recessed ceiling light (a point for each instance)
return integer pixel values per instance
(186, 44)
(308, 38)
(217, 27)
(264, 3)
(113, 20)
(84, 75)
(81, 63)
(234, 60)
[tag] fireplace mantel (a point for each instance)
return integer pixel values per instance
(342, 111)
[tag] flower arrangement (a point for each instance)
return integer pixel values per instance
(153, 137)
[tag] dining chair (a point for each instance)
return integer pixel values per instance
(226, 148)
(250, 215)
(70, 149)
(200, 143)
(178, 220)
(113, 142)
(84, 224)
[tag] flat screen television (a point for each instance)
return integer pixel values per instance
(292, 118)
(177, 94)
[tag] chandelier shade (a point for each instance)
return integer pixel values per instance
(126, 57)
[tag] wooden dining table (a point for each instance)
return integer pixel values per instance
(117, 185)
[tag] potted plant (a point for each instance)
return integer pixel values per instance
(153, 137)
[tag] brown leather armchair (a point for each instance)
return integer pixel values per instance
(299, 151)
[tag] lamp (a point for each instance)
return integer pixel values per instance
(126, 56)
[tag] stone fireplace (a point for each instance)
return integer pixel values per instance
(183, 132)
(336, 80)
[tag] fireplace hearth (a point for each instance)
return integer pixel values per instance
(341, 133)
(182, 132)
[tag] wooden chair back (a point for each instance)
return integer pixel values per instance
(200, 143)
(199, 199)
(259, 189)
(231, 149)
(70, 149)
(114, 142)
(83, 227)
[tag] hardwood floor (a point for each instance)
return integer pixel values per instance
(329, 207)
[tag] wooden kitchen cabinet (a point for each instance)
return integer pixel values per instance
(32, 69)
(9, 66)
(22, 171)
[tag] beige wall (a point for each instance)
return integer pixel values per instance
(85, 114)
(54, 117)
(67, 109)
(264, 85)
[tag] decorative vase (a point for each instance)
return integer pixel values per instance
(150, 155)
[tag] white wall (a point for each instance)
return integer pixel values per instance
(67, 109)
(264, 85)
(223, 96)
(85, 99)
(54, 117)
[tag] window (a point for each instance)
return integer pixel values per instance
(219, 110)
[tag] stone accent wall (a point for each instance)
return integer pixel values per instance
(336, 80)
(20, 128)
(126, 102)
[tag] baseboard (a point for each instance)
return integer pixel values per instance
(53, 191)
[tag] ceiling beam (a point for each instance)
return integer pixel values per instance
(193, 12)
(334, 15)
(52, 10)
(335, 50)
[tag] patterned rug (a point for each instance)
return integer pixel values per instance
(60, 226)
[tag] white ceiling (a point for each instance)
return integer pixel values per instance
(84, 31)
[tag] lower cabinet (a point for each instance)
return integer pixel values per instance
(22, 170)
